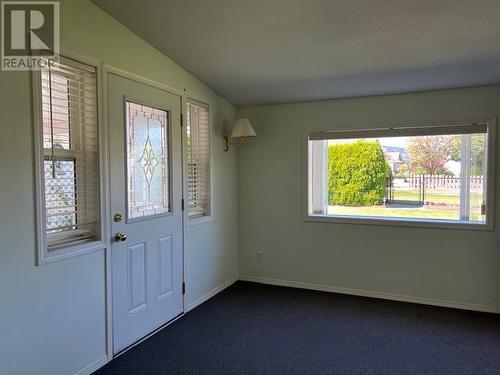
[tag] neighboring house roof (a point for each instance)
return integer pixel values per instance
(393, 153)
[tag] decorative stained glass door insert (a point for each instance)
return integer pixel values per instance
(147, 161)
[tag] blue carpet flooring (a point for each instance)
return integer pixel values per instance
(258, 329)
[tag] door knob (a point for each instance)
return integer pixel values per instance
(119, 237)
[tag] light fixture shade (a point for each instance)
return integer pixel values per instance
(243, 128)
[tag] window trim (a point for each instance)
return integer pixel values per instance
(197, 220)
(490, 121)
(43, 255)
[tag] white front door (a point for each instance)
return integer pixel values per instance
(146, 212)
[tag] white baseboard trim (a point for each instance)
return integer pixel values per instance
(94, 366)
(210, 294)
(372, 294)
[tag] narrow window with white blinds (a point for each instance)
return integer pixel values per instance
(198, 159)
(69, 191)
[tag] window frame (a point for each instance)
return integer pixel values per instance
(196, 220)
(43, 255)
(407, 222)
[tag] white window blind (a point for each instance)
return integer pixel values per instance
(198, 159)
(69, 178)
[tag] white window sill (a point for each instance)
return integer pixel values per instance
(400, 222)
(71, 251)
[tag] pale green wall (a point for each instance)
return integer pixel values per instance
(52, 317)
(450, 265)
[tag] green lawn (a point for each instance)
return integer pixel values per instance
(421, 213)
(443, 205)
(436, 196)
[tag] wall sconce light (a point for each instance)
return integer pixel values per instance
(242, 129)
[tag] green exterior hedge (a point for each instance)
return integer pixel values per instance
(356, 174)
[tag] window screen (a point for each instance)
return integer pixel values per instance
(198, 159)
(70, 153)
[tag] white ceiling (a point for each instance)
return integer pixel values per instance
(272, 51)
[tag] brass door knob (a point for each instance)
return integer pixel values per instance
(119, 237)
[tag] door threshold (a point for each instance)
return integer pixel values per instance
(123, 351)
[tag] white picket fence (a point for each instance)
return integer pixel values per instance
(441, 182)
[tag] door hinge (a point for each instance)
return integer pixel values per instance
(182, 119)
(182, 204)
(183, 288)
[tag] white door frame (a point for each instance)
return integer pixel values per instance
(107, 69)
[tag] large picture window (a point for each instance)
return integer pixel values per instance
(198, 159)
(67, 138)
(427, 174)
